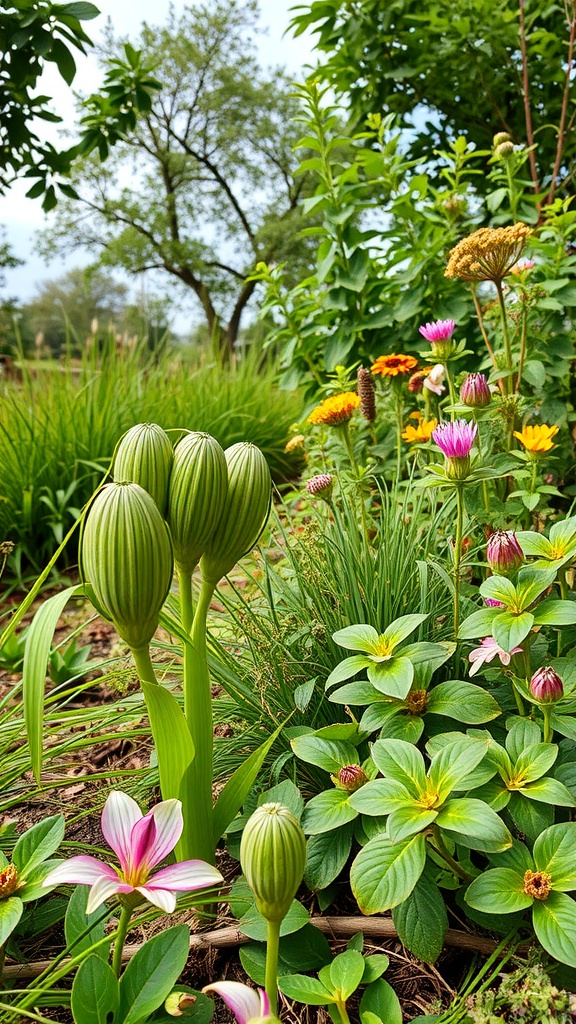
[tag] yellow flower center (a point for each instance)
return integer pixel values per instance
(9, 882)
(537, 884)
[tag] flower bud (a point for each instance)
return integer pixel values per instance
(126, 555)
(351, 777)
(499, 138)
(546, 685)
(273, 858)
(144, 456)
(475, 392)
(503, 553)
(320, 486)
(457, 468)
(244, 514)
(196, 496)
(504, 150)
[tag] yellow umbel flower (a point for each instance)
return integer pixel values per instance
(421, 433)
(488, 254)
(391, 366)
(537, 439)
(335, 410)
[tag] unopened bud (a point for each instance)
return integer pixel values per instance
(273, 858)
(320, 486)
(499, 138)
(144, 456)
(475, 392)
(504, 150)
(546, 685)
(503, 553)
(351, 777)
(177, 1002)
(196, 496)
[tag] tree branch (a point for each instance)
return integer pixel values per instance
(526, 96)
(564, 111)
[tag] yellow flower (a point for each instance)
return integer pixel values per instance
(390, 366)
(421, 433)
(335, 410)
(298, 441)
(488, 254)
(537, 439)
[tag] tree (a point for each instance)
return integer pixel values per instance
(31, 33)
(203, 188)
(468, 67)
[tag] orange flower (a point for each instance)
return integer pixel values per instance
(537, 439)
(421, 433)
(335, 410)
(391, 366)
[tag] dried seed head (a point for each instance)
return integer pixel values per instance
(9, 881)
(126, 555)
(196, 496)
(144, 456)
(365, 389)
(537, 884)
(273, 858)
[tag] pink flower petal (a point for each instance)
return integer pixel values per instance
(185, 876)
(80, 871)
(102, 890)
(150, 846)
(264, 1003)
(161, 898)
(119, 816)
(245, 1003)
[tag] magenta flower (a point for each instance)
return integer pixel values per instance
(439, 330)
(320, 486)
(503, 552)
(475, 392)
(246, 1004)
(488, 650)
(491, 602)
(141, 842)
(455, 439)
(546, 685)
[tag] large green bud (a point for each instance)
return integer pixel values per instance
(273, 858)
(245, 511)
(126, 555)
(196, 496)
(144, 456)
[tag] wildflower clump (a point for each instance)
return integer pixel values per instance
(487, 254)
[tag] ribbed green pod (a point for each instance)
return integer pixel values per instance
(273, 858)
(126, 555)
(144, 456)
(245, 511)
(196, 496)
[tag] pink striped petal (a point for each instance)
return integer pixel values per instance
(102, 890)
(150, 846)
(245, 1003)
(119, 816)
(185, 876)
(264, 1003)
(161, 898)
(80, 871)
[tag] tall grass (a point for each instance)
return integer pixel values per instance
(59, 427)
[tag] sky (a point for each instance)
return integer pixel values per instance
(22, 217)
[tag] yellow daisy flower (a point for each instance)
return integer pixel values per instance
(391, 366)
(421, 433)
(537, 439)
(335, 410)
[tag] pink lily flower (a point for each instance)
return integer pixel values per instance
(246, 1004)
(489, 650)
(141, 842)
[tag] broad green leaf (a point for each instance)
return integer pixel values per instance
(555, 613)
(238, 786)
(530, 816)
(393, 677)
(77, 921)
(554, 853)
(285, 793)
(326, 857)
(548, 791)
(384, 873)
(346, 669)
(401, 628)
(522, 733)
(402, 727)
(200, 1012)
(10, 914)
(152, 973)
(36, 652)
(374, 966)
(326, 811)
(174, 746)
(535, 544)
(406, 821)
(255, 926)
(305, 990)
(34, 888)
(401, 761)
(331, 755)
(37, 844)
(463, 701)
(494, 794)
(95, 993)
(554, 921)
(381, 797)
(563, 533)
(471, 818)
(509, 630)
(517, 857)
(428, 655)
(306, 950)
(357, 638)
(421, 920)
(378, 714)
(498, 891)
(454, 762)
(535, 761)
(531, 583)
(346, 973)
(499, 588)
(361, 693)
(478, 623)
(380, 1000)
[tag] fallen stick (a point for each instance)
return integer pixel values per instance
(335, 927)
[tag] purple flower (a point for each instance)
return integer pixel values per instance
(455, 439)
(546, 685)
(503, 552)
(140, 842)
(491, 602)
(439, 330)
(475, 392)
(320, 486)
(246, 1004)
(487, 651)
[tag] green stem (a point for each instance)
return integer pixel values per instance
(354, 465)
(506, 333)
(439, 845)
(451, 392)
(547, 710)
(272, 945)
(519, 704)
(120, 939)
(344, 1018)
(144, 666)
(186, 605)
(458, 554)
(523, 344)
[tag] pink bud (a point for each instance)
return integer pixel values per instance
(320, 486)
(546, 685)
(503, 552)
(351, 777)
(475, 392)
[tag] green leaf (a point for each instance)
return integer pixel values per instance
(326, 856)
(473, 819)
(535, 544)
(401, 762)
(384, 873)
(554, 853)
(80, 9)
(238, 786)
(10, 914)
(347, 668)
(463, 701)
(405, 821)
(361, 693)
(381, 797)
(36, 654)
(531, 583)
(454, 762)
(530, 817)
(306, 950)
(498, 891)
(478, 623)
(77, 921)
(509, 630)
(201, 1011)
(554, 921)
(37, 844)
(255, 926)
(95, 993)
(374, 965)
(152, 973)
(346, 973)
(555, 613)
(381, 1000)
(421, 920)
(326, 811)
(331, 755)
(522, 733)
(306, 990)
(499, 588)
(516, 857)
(393, 677)
(548, 791)
(401, 628)
(357, 638)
